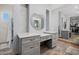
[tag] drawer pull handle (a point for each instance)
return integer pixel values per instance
(31, 40)
(31, 47)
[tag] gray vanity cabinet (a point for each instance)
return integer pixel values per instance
(29, 44)
(65, 34)
(54, 37)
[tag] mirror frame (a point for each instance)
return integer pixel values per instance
(40, 20)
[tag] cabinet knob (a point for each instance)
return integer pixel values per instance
(31, 47)
(30, 39)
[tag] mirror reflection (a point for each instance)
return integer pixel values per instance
(37, 22)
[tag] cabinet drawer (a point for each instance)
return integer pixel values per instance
(35, 51)
(49, 37)
(30, 39)
(30, 46)
(55, 37)
(46, 38)
(54, 40)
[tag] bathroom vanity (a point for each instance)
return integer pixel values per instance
(29, 43)
(44, 37)
(65, 34)
(54, 37)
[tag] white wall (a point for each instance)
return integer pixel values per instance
(20, 21)
(38, 9)
(41, 9)
(20, 17)
(65, 19)
(75, 19)
(54, 18)
(68, 23)
(20, 26)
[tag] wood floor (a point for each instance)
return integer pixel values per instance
(61, 47)
(58, 50)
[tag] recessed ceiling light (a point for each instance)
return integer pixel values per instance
(76, 7)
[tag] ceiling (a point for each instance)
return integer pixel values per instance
(71, 10)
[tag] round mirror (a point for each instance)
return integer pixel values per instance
(37, 22)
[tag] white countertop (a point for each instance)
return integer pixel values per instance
(49, 32)
(22, 35)
(44, 34)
